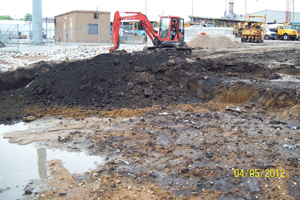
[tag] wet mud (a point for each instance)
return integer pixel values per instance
(211, 125)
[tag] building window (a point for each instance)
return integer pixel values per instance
(93, 29)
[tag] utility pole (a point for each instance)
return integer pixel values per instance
(98, 26)
(192, 11)
(245, 10)
(293, 12)
(146, 7)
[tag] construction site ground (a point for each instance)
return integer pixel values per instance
(217, 124)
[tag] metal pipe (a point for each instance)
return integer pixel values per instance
(50, 36)
(192, 11)
(293, 12)
(18, 38)
(146, 7)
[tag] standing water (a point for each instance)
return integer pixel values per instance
(21, 164)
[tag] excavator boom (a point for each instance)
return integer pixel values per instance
(136, 16)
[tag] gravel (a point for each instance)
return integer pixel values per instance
(207, 42)
(10, 61)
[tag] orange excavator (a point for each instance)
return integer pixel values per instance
(170, 35)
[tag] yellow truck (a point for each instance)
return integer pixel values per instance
(254, 31)
(284, 31)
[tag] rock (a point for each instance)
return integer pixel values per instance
(63, 139)
(62, 194)
(184, 171)
(209, 155)
(278, 122)
(116, 62)
(258, 117)
(29, 118)
(99, 90)
(28, 192)
(196, 172)
(40, 90)
(86, 87)
(138, 89)
(148, 92)
(129, 86)
(235, 181)
(152, 175)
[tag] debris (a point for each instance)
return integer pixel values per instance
(126, 162)
(291, 147)
(233, 109)
(164, 113)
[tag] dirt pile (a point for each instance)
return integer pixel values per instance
(207, 42)
(141, 80)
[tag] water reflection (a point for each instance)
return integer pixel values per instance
(42, 162)
(21, 164)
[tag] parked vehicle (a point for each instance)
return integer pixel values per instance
(284, 31)
(254, 31)
(270, 35)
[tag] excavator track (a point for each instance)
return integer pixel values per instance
(186, 50)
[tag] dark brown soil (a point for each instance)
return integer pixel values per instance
(182, 140)
(142, 80)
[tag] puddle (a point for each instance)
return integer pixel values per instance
(20, 164)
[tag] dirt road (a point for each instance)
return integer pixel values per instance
(217, 124)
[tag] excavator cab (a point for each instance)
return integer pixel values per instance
(171, 30)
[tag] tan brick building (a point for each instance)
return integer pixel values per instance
(83, 26)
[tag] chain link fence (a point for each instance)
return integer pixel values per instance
(20, 40)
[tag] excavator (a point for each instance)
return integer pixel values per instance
(170, 35)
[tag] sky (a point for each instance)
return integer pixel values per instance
(208, 8)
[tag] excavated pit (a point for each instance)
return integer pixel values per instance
(172, 125)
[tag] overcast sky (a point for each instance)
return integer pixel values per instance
(208, 8)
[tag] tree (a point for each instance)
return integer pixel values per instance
(28, 17)
(6, 17)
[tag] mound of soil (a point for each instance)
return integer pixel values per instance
(140, 80)
(207, 42)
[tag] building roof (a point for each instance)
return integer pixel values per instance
(82, 11)
(279, 16)
(216, 18)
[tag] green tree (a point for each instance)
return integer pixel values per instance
(28, 17)
(6, 17)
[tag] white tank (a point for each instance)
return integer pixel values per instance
(273, 27)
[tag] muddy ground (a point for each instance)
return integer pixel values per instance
(172, 126)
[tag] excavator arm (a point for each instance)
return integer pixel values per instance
(135, 16)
